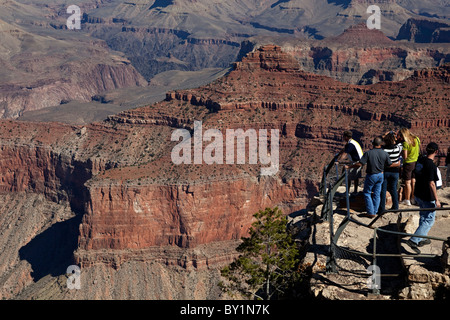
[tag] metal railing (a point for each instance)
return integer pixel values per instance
(328, 194)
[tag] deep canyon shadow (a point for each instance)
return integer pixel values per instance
(51, 251)
(343, 3)
(388, 243)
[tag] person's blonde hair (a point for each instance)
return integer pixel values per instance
(408, 136)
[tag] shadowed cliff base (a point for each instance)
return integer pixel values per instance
(51, 252)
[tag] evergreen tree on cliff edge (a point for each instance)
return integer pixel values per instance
(268, 267)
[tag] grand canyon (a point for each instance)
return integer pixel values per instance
(87, 117)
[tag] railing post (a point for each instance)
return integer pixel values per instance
(375, 289)
(337, 170)
(331, 262)
(347, 197)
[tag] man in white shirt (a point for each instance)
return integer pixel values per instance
(354, 153)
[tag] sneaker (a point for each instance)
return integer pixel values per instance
(413, 246)
(424, 242)
(406, 202)
(413, 202)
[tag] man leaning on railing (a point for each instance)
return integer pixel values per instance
(354, 153)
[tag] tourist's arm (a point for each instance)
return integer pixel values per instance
(355, 165)
(404, 153)
(360, 163)
(395, 164)
(434, 191)
(386, 133)
(340, 155)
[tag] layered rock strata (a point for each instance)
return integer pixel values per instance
(424, 31)
(40, 71)
(359, 55)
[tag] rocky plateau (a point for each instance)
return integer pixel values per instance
(122, 46)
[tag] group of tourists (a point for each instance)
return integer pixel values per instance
(393, 156)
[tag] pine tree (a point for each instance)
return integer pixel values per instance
(267, 267)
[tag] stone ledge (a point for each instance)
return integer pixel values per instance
(424, 276)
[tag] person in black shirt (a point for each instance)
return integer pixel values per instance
(426, 196)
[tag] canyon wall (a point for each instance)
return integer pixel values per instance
(85, 64)
(137, 219)
(358, 55)
(424, 31)
(124, 220)
(44, 70)
(82, 84)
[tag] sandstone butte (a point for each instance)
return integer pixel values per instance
(358, 55)
(136, 205)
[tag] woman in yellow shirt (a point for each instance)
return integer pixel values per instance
(410, 154)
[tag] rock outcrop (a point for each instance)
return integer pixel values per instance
(137, 219)
(358, 55)
(405, 277)
(34, 76)
(424, 31)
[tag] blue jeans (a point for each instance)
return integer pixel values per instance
(389, 184)
(372, 191)
(426, 220)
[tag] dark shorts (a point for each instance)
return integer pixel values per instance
(408, 171)
(354, 173)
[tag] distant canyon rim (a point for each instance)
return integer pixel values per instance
(111, 64)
